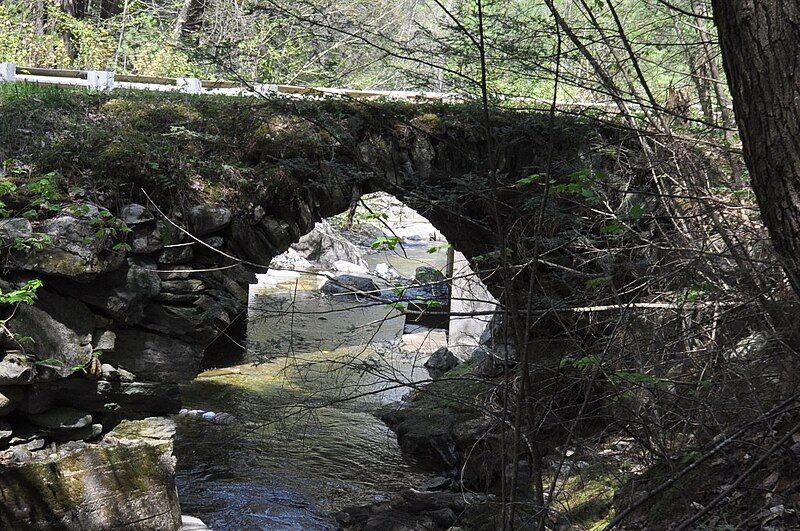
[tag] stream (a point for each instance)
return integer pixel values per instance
(305, 442)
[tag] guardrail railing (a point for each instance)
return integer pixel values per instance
(105, 80)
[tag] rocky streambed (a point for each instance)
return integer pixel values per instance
(305, 442)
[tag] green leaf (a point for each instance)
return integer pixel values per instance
(530, 179)
(385, 243)
(614, 228)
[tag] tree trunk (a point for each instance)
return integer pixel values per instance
(38, 16)
(68, 7)
(760, 41)
(188, 18)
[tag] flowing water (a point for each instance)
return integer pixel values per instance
(306, 441)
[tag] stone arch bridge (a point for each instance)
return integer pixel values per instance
(95, 182)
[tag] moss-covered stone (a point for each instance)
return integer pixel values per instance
(102, 486)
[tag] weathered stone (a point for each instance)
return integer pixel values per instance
(154, 357)
(35, 444)
(151, 428)
(109, 372)
(343, 266)
(215, 241)
(325, 245)
(440, 362)
(290, 260)
(180, 254)
(16, 368)
(428, 275)
(241, 275)
(10, 397)
(176, 272)
(61, 418)
(235, 289)
(176, 321)
(487, 363)
(5, 432)
(349, 284)
(205, 219)
(388, 272)
(190, 523)
(86, 433)
(134, 214)
(37, 399)
(179, 287)
(130, 398)
(93, 487)
(60, 329)
(73, 249)
(146, 238)
(103, 340)
(126, 376)
(177, 297)
(277, 231)
(13, 228)
(122, 294)
(249, 242)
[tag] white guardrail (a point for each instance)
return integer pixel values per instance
(104, 80)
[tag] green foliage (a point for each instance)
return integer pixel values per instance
(26, 294)
(531, 179)
(493, 255)
(696, 293)
(385, 243)
(34, 242)
(596, 283)
(579, 363)
(437, 248)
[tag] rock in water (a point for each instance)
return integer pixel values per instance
(428, 275)
(440, 362)
(343, 266)
(387, 272)
(349, 285)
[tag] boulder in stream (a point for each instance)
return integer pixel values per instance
(349, 285)
(440, 362)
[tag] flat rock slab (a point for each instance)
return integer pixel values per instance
(151, 428)
(62, 419)
(111, 485)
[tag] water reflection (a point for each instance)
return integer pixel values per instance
(306, 441)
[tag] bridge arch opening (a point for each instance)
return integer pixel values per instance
(399, 258)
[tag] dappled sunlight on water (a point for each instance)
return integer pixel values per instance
(306, 441)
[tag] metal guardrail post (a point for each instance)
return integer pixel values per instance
(100, 80)
(189, 85)
(8, 72)
(266, 90)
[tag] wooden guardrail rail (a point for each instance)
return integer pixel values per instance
(103, 80)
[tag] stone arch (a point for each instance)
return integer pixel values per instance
(153, 308)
